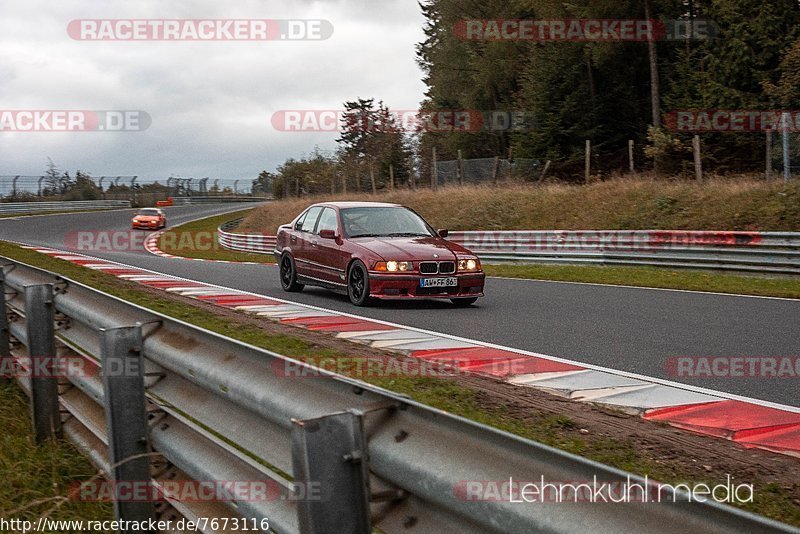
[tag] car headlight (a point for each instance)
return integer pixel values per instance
(471, 264)
(394, 266)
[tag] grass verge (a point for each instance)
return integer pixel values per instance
(38, 478)
(772, 500)
(198, 239)
(654, 277)
(622, 204)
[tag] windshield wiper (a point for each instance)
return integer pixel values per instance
(407, 234)
(366, 235)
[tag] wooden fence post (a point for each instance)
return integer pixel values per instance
(588, 167)
(544, 171)
(460, 169)
(434, 171)
(631, 165)
(768, 172)
(698, 161)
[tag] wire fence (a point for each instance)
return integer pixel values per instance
(19, 188)
(486, 170)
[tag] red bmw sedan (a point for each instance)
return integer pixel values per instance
(371, 250)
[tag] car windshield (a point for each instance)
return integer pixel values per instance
(383, 222)
(148, 213)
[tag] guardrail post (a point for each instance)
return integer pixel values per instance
(5, 348)
(126, 420)
(331, 475)
(39, 313)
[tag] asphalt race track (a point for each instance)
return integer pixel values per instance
(629, 329)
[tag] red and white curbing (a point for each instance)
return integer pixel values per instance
(750, 422)
(151, 246)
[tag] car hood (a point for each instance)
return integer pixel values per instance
(146, 218)
(411, 248)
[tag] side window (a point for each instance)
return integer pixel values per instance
(311, 219)
(328, 221)
(299, 224)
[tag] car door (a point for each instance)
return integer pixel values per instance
(302, 249)
(330, 260)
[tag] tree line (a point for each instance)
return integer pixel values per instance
(610, 92)
(607, 92)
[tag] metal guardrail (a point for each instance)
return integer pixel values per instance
(765, 252)
(217, 409)
(36, 207)
(256, 243)
(181, 201)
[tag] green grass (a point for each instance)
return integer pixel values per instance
(38, 478)
(557, 431)
(198, 239)
(654, 277)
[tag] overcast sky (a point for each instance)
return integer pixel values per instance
(210, 102)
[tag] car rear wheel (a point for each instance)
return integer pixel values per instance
(358, 284)
(288, 275)
(463, 303)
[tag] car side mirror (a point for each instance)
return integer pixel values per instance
(443, 233)
(327, 234)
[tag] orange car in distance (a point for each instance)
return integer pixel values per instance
(149, 219)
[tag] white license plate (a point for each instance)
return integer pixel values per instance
(438, 282)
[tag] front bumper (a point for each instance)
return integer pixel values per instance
(145, 225)
(407, 286)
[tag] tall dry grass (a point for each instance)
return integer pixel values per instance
(622, 203)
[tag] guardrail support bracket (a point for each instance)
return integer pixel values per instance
(331, 474)
(5, 345)
(39, 317)
(126, 420)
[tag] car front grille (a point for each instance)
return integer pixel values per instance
(437, 267)
(428, 267)
(447, 267)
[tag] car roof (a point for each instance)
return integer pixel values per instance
(359, 205)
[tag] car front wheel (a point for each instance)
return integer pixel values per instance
(288, 275)
(358, 284)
